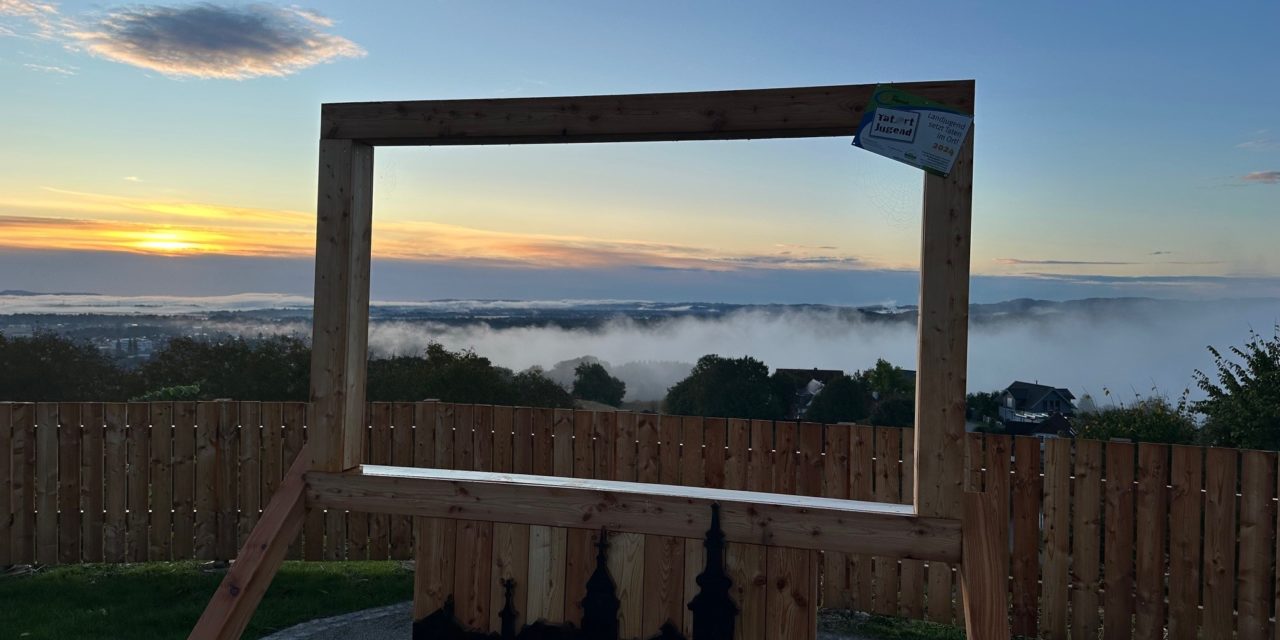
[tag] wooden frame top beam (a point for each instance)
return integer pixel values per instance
(799, 522)
(801, 112)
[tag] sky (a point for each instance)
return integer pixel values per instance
(170, 149)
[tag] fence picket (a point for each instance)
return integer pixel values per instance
(160, 481)
(1086, 558)
(183, 467)
(1257, 514)
(68, 483)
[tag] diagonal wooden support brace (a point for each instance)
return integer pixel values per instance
(233, 604)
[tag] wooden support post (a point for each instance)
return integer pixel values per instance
(340, 331)
(943, 338)
(232, 606)
(984, 569)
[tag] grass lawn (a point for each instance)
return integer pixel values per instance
(164, 599)
(861, 626)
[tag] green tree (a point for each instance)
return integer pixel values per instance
(844, 399)
(889, 381)
(268, 369)
(894, 411)
(532, 388)
(1150, 420)
(726, 388)
(591, 381)
(1243, 404)
(983, 406)
(48, 367)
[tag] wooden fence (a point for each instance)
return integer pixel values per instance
(1134, 540)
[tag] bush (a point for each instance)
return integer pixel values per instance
(1243, 407)
(1151, 420)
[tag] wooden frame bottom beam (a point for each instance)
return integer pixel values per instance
(798, 522)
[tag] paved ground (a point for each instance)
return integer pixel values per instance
(384, 623)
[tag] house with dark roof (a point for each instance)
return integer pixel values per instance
(806, 384)
(1028, 407)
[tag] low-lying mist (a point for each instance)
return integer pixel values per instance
(1153, 347)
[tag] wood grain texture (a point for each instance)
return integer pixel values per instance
(911, 583)
(1257, 537)
(837, 591)
(746, 564)
(580, 543)
(183, 465)
(402, 455)
(356, 520)
(6, 493)
(295, 418)
(207, 420)
(434, 539)
(510, 541)
(713, 115)
(1026, 536)
(68, 483)
(861, 488)
(795, 522)
(91, 481)
(473, 543)
(226, 478)
(23, 419)
(984, 581)
(943, 337)
(237, 597)
(139, 437)
(340, 325)
(161, 481)
(888, 488)
(379, 452)
(249, 469)
(1086, 558)
(1221, 472)
(1056, 539)
(1185, 536)
(790, 609)
(1152, 516)
(1118, 547)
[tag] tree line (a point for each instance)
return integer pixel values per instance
(1241, 407)
(50, 367)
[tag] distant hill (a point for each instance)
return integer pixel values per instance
(23, 292)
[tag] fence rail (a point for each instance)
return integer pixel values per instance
(1135, 540)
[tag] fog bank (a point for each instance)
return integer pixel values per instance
(1151, 347)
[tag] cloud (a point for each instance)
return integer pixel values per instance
(1019, 261)
(26, 8)
(1261, 140)
(1262, 177)
(41, 16)
(215, 41)
(1160, 253)
(49, 68)
(132, 179)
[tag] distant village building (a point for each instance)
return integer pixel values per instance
(1029, 408)
(807, 383)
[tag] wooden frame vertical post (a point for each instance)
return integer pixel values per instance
(943, 341)
(340, 332)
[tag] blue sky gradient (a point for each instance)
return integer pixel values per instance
(1120, 150)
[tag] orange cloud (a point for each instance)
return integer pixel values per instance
(78, 220)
